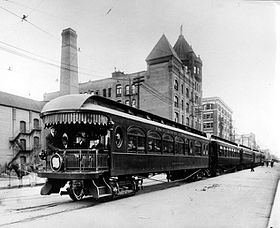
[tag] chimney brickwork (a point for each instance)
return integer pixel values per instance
(69, 63)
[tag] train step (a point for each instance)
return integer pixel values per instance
(104, 195)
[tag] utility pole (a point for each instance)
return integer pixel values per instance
(137, 82)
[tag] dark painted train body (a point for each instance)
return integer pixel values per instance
(134, 144)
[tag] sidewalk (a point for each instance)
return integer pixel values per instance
(274, 221)
(7, 182)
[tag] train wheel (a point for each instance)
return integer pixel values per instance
(75, 194)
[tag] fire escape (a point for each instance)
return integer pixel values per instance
(21, 139)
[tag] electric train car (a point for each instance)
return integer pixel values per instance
(246, 156)
(224, 155)
(132, 145)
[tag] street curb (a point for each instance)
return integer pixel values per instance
(274, 220)
(23, 186)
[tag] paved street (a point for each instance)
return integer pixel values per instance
(241, 199)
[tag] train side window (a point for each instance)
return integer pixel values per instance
(187, 148)
(118, 137)
(198, 147)
(168, 144)
(179, 145)
(206, 149)
(191, 146)
(154, 142)
(220, 151)
(136, 140)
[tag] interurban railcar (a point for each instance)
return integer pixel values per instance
(105, 149)
(134, 144)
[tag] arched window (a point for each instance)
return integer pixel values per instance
(179, 145)
(22, 126)
(136, 140)
(168, 144)
(198, 148)
(127, 102)
(133, 103)
(154, 142)
(36, 124)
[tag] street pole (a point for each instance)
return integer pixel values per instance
(137, 82)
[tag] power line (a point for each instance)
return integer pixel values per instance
(23, 18)
(42, 59)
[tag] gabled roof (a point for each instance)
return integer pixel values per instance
(182, 48)
(162, 49)
(14, 101)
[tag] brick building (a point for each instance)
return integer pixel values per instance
(170, 87)
(217, 118)
(20, 129)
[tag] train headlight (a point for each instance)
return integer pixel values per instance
(56, 162)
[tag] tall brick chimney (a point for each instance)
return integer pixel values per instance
(69, 63)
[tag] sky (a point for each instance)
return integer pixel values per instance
(236, 40)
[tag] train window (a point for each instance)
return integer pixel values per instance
(154, 142)
(187, 148)
(168, 144)
(191, 146)
(179, 145)
(220, 151)
(198, 148)
(206, 149)
(118, 137)
(136, 140)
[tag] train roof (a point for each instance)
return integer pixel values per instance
(78, 102)
(214, 137)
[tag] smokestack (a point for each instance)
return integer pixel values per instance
(69, 63)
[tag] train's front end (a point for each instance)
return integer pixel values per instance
(76, 147)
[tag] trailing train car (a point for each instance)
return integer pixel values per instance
(132, 145)
(224, 155)
(246, 156)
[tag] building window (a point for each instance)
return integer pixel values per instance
(176, 102)
(182, 104)
(182, 88)
(97, 92)
(176, 85)
(118, 90)
(187, 121)
(36, 142)
(127, 90)
(36, 124)
(133, 103)
(109, 92)
(104, 93)
(22, 126)
(187, 107)
(23, 144)
(133, 89)
(183, 119)
(176, 117)
(127, 102)
(187, 92)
